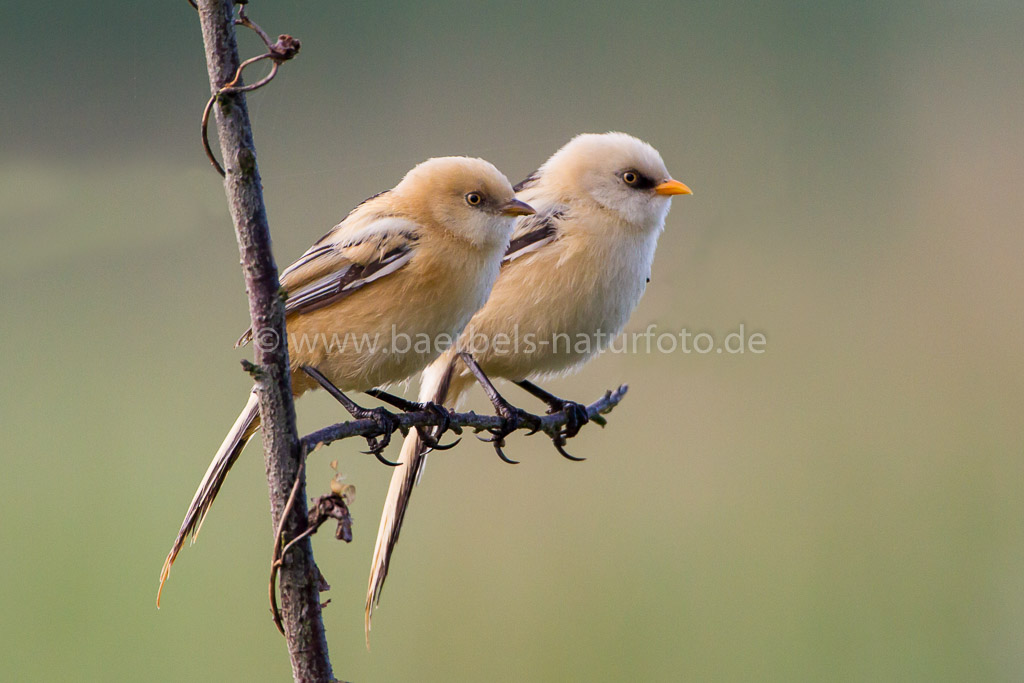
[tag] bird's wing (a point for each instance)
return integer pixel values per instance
(368, 245)
(527, 182)
(533, 232)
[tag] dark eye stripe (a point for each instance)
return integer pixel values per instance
(643, 182)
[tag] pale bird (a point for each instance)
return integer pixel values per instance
(578, 266)
(418, 259)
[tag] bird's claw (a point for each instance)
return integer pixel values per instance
(440, 446)
(431, 437)
(512, 419)
(575, 417)
(559, 443)
(497, 440)
(387, 424)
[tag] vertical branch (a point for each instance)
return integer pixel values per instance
(300, 597)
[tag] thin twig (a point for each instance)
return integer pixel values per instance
(300, 589)
(284, 49)
(244, 20)
(231, 88)
(332, 506)
(549, 424)
(278, 555)
(206, 137)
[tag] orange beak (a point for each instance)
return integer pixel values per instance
(670, 187)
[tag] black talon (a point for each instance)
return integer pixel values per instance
(443, 446)
(504, 458)
(380, 456)
(575, 416)
(511, 416)
(386, 422)
(559, 444)
(497, 442)
(432, 436)
(428, 435)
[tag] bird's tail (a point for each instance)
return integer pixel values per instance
(441, 383)
(243, 429)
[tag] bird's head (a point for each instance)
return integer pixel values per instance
(468, 197)
(618, 172)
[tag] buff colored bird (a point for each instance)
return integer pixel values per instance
(418, 259)
(577, 267)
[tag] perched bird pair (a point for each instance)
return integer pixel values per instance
(574, 249)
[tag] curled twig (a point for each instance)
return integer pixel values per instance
(284, 49)
(244, 20)
(206, 138)
(230, 89)
(332, 506)
(278, 555)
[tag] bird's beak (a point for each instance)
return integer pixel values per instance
(670, 187)
(514, 207)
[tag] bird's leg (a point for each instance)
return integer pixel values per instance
(575, 416)
(430, 436)
(511, 415)
(385, 421)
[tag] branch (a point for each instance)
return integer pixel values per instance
(549, 424)
(332, 506)
(335, 505)
(300, 596)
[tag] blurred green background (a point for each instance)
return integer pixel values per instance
(846, 506)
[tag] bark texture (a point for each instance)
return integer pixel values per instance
(300, 596)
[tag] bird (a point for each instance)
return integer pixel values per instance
(418, 259)
(577, 266)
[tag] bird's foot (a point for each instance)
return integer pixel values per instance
(385, 421)
(431, 436)
(387, 424)
(575, 417)
(512, 419)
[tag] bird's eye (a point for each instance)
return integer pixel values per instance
(474, 199)
(630, 177)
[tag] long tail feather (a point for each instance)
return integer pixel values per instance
(436, 386)
(243, 429)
